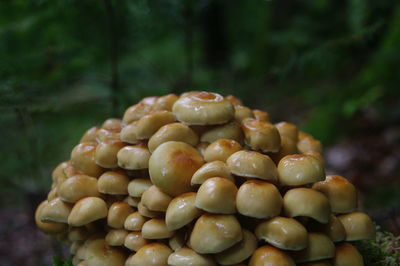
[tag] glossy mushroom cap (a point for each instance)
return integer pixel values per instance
(334, 229)
(358, 226)
(48, 227)
(217, 195)
(214, 233)
(186, 256)
(165, 102)
(113, 124)
(113, 183)
(134, 221)
(83, 159)
(137, 111)
(181, 211)
(240, 251)
(155, 200)
(288, 130)
(288, 147)
(261, 135)
(146, 212)
(252, 164)
(154, 254)
(99, 253)
(156, 229)
(270, 256)
(261, 115)
(116, 237)
(221, 149)
(341, 193)
(307, 143)
(128, 133)
(258, 199)
(134, 241)
(203, 108)
(117, 214)
(173, 132)
(106, 153)
(300, 169)
(137, 186)
(87, 210)
(77, 187)
(178, 240)
(242, 112)
(306, 202)
(89, 135)
(347, 255)
(103, 135)
(319, 247)
(284, 233)
(231, 130)
(56, 210)
(172, 166)
(209, 170)
(134, 157)
(234, 100)
(149, 124)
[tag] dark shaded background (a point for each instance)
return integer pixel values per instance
(332, 67)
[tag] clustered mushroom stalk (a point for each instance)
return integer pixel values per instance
(201, 179)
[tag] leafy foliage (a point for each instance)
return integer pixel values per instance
(57, 261)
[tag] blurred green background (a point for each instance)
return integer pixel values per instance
(332, 67)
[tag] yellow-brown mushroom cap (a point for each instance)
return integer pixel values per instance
(221, 149)
(137, 186)
(261, 135)
(347, 255)
(181, 211)
(186, 256)
(261, 115)
(149, 124)
(113, 182)
(106, 153)
(211, 169)
(56, 210)
(99, 253)
(87, 210)
(155, 200)
(358, 226)
(156, 229)
(270, 256)
(48, 227)
(288, 129)
(117, 214)
(319, 247)
(231, 130)
(134, 241)
(134, 157)
(308, 143)
(134, 221)
(77, 187)
(116, 237)
(83, 159)
(153, 254)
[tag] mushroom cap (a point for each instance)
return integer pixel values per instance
(240, 251)
(48, 227)
(319, 247)
(153, 254)
(106, 153)
(90, 135)
(137, 186)
(288, 147)
(213, 233)
(172, 166)
(221, 149)
(242, 112)
(201, 147)
(209, 170)
(284, 233)
(134, 157)
(77, 187)
(156, 229)
(186, 256)
(87, 210)
(271, 256)
(101, 254)
(178, 240)
(181, 211)
(155, 200)
(134, 221)
(258, 199)
(217, 195)
(203, 108)
(116, 237)
(289, 130)
(128, 133)
(341, 193)
(300, 169)
(358, 226)
(134, 241)
(117, 214)
(231, 130)
(165, 102)
(149, 124)
(308, 143)
(306, 202)
(56, 210)
(132, 201)
(347, 255)
(104, 135)
(113, 183)
(146, 212)
(334, 229)
(261, 115)
(83, 159)
(234, 100)
(252, 164)
(137, 111)
(261, 135)
(78, 234)
(113, 124)
(173, 132)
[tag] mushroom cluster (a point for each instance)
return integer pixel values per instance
(201, 179)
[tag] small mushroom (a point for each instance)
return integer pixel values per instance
(261, 135)
(134, 157)
(319, 247)
(181, 211)
(132, 201)
(221, 149)
(242, 112)
(128, 133)
(137, 111)
(231, 130)
(155, 200)
(117, 214)
(113, 183)
(99, 253)
(77, 187)
(267, 255)
(347, 255)
(134, 241)
(261, 115)
(288, 130)
(306, 202)
(137, 186)
(156, 229)
(153, 254)
(334, 229)
(113, 124)
(234, 100)
(48, 227)
(186, 256)
(116, 237)
(149, 124)
(103, 135)
(165, 102)
(358, 226)
(211, 169)
(56, 210)
(90, 135)
(78, 234)
(307, 143)
(146, 212)
(284, 233)
(87, 210)
(134, 221)
(83, 159)
(106, 153)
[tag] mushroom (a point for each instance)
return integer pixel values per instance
(173, 132)
(83, 159)
(347, 255)
(242, 112)
(261, 135)
(258, 199)
(307, 143)
(106, 153)
(153, 254)
(146, 212)
(99, 253)
(117, 214)
(90, 135)
(213, 233)
(288, 147)
(186, 256)
(319, 247)
(134, 241)
(165, 102)
(306, 202)
(56, 210)
(128, 133)
(113, 183)
(78, 234)
(252, 164)
(77, 187)
(134, 221)
(221, 149)
(181, 211)
(149, 124)
(341, 193)
(217, 195)
(137, 111)
(234, 100)
(240, 251)
(261, 115)
(87, 210)
(156, 229)
(288, 130)
(132, 201)
(137, 186)
(271, 256)
(48, 227)
(105, 135)
(116, 237)
(172, 165)
(300, 169)
(284, 233)
(155, 200)
(358, 226)
(231, 130)
(211, 169)
(203, 108)
(134, 157)
(334, 229)
(112, 124)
